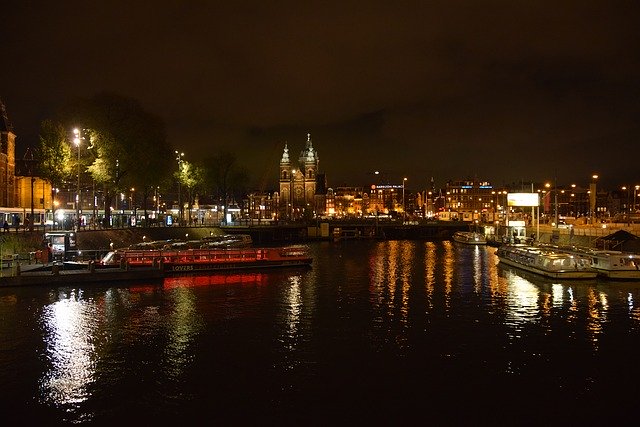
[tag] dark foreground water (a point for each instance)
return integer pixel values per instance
(376, 332)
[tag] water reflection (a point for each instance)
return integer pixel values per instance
(293, 310)
(374, 320)
(449, 262)
(185, 324)
(597, 309)
(430, 264)
(522, 304)
(69, 333)
(291, 331)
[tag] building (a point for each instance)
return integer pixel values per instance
(385, 199)
(469, 200)
(8, 195)
(345, 201)
(298, 183)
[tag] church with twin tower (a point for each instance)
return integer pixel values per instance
(299, 182)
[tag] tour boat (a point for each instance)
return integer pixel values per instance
(616, 264)
(192, 260)
(469, 238)
(546, 262)
(610, 264)
(209, 242)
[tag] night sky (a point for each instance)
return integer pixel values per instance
(505, 91)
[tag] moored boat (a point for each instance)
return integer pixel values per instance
(610, 264)
(616, 264)
(209, 242)
(469, 238)
(546, 262)
(191, 260)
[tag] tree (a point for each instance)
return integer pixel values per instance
(129, 145)
(54, 155)
(191, 177)
(226, 178)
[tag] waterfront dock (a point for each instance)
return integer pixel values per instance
(56, 276)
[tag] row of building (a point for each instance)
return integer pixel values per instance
(303, 193)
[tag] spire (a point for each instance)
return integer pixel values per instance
(309, 154)
(285, 155)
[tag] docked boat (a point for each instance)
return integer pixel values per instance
(616, 264)
(469, 238)
(209, 242)
(546, 262)
(192, 260)
(610, 264)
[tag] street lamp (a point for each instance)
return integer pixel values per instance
(404, 216)
(132, 207)
(592, 198)
(291, 199)
(555, 203)
(637, 187)
(76, 140)
(179, 157)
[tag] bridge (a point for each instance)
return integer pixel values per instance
(347, 229)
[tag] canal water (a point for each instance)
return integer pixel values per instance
(377, 332)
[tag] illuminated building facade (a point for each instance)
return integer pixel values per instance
(470, 199)
(345, 201)
(298, 183)
(385, 199)
(7, 160)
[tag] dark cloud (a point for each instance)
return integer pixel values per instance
(500, 90)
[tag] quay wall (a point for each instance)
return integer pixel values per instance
(25, 241)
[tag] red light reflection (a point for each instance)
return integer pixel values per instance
(215, 279)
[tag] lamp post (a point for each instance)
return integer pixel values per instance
(404, 215)
(133, 220)
(291, 199)
(635, 191)
(156, 199)
(179, 157)
(554, 191)
(76, 140)
(592, 198)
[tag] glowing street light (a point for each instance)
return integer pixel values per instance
(404, 216)
(133, 207)
(637, 187)
(592, 197)
(291, 187)
(554, 191)
(179, 157)
(76, 140)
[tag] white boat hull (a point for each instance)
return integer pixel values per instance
(548, 263)
(565, 274)
(619, 274)
(469, 238)
(609, 264)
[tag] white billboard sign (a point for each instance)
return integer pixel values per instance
(522, 199)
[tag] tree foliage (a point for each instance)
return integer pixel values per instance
(126, 147)
(54, 153)
(191, 178)
(226, 178)
(129, 144)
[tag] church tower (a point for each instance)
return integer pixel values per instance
(7, 160)
(286, 177)
(298, 184)
(309, 164)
